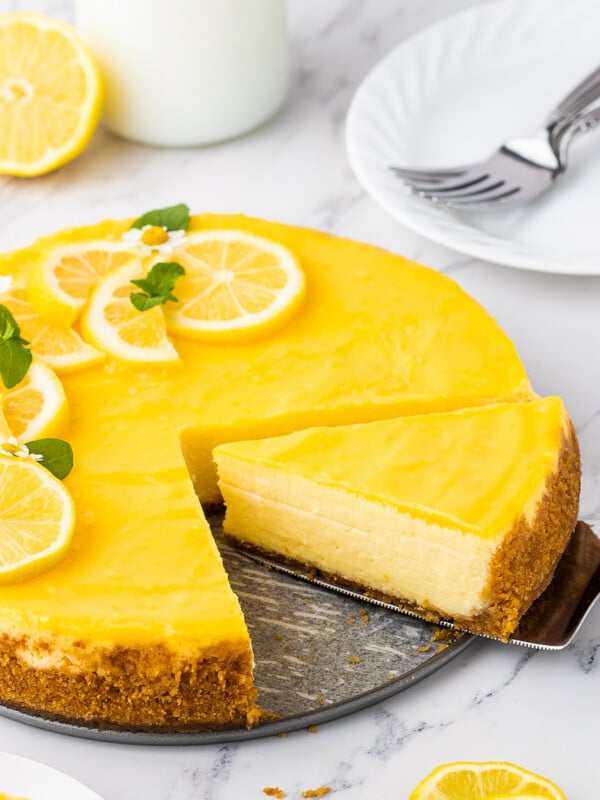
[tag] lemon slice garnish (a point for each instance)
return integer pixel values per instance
(236, 286)
(37, 406)
(114, 325)
(37, 516)
(488, 780)
(63, 349)
(50, 94)
(63, 277)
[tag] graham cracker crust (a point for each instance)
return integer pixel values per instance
(148, 688)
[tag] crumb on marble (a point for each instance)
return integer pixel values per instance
(321, 791)
(320, 699)
(354, 660)
(312, 729)
(274, 791)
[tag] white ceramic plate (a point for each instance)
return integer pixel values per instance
(24, 778)
(452, 93)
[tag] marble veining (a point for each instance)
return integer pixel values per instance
(492, 701)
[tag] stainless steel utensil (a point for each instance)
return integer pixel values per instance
(522, 168)
(552, 621)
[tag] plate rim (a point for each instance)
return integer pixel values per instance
(27, 763)
(529, 258)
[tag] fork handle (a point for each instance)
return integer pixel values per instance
(586, 92)
(562, 136)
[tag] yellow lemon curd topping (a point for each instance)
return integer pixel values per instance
(376, 337)
(506, 452)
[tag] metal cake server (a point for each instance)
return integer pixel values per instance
(552, 621)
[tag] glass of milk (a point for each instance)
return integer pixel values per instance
(187, 72)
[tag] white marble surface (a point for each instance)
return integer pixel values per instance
(493, 702)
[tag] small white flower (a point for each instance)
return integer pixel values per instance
(11, 447)
(6, 283)
(153, 239)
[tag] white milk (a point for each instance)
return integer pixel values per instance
(187, 72)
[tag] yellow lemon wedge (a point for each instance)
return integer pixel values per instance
(237, 285)
(37, 516)
(63, 277)
(50, 94)
(486, 780)
(63, 349)
(112, 323)
(37, 406)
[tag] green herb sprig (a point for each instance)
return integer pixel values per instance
(157, 287)
(172, 218)
(56, 455)
(15, 356)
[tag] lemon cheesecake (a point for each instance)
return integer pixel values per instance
(461, 515)
(137, 626)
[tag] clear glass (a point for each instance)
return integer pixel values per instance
(187, 72)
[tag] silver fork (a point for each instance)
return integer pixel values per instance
(520, 169)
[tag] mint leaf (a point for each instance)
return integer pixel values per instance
(15, 360)
(8, 325)
(143, 301)
(162, 278)
(157, 287)
(57, 455)
(173, 218)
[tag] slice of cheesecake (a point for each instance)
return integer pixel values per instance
(460, 515)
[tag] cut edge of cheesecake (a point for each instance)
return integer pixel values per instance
(423, 558)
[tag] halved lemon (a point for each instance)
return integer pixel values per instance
(37, 406)
(63, 349)
(37, 517)
(112, 323)
(50, 94)
(487, 780)
(63, 278)
(236, 286)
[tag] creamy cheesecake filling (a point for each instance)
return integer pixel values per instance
(378, 548)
